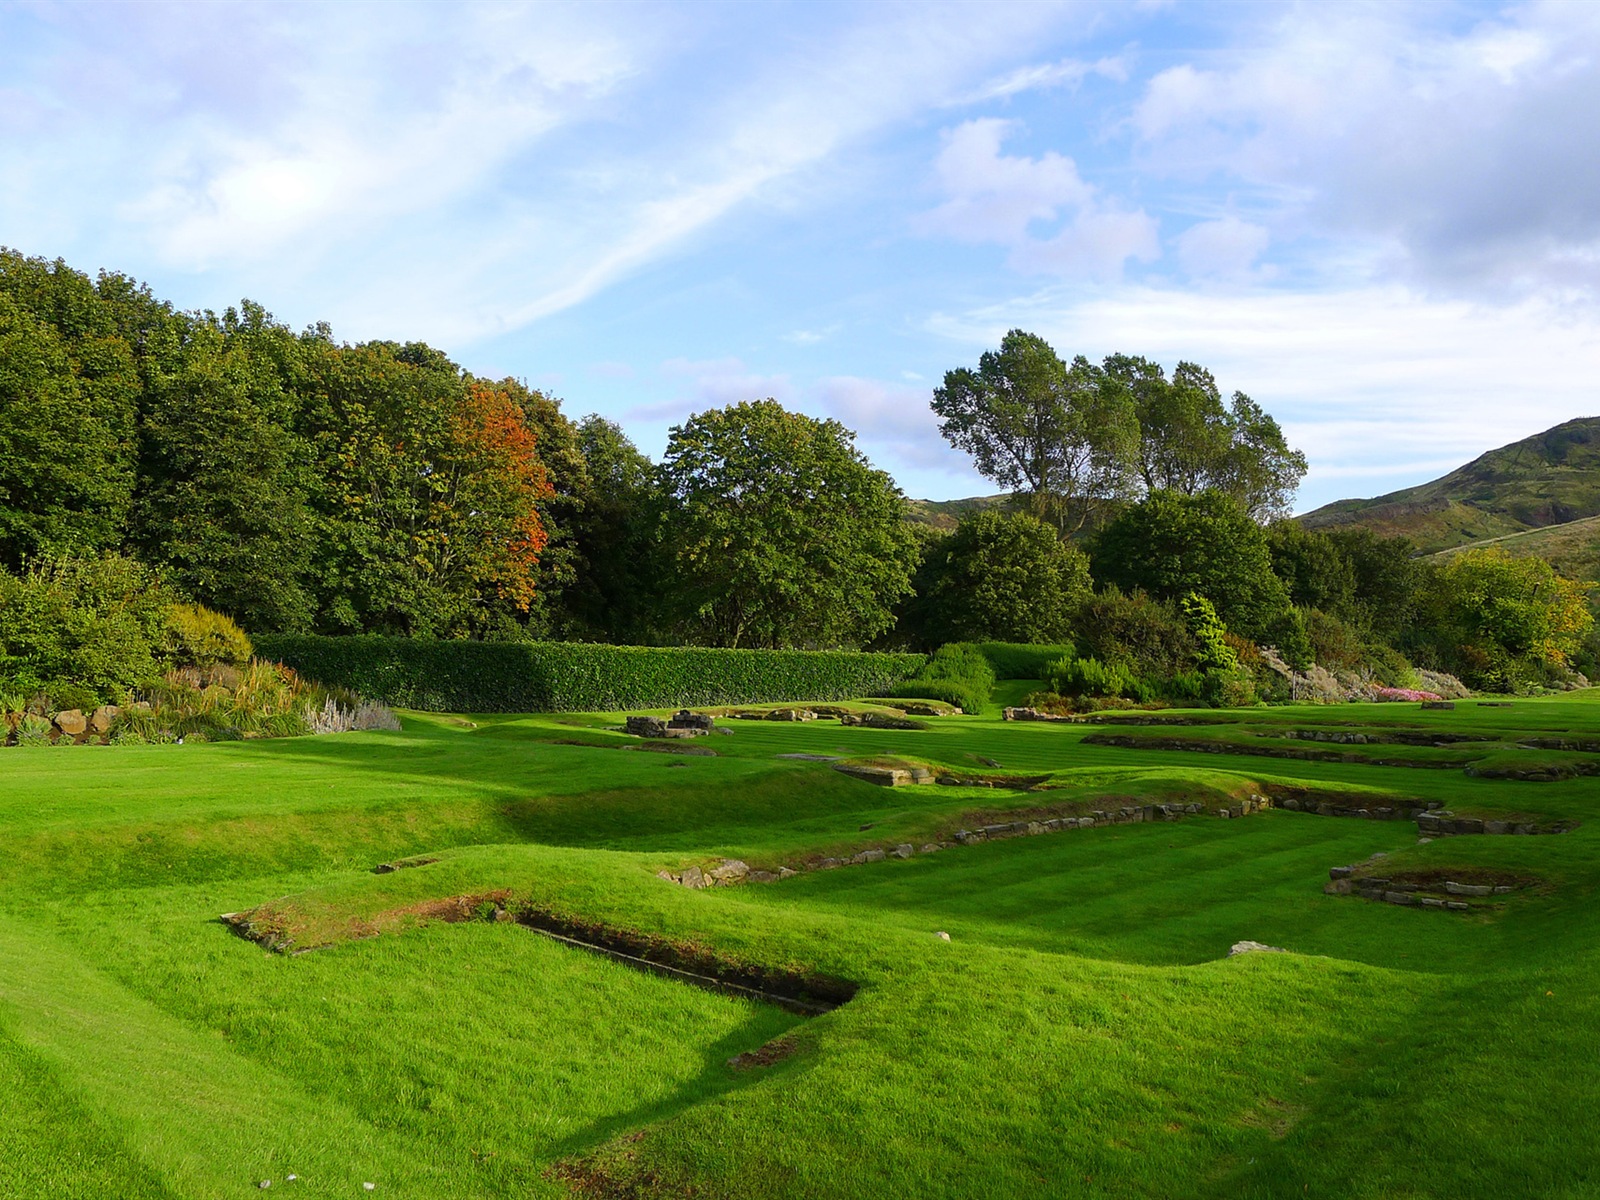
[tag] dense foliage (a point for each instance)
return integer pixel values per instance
(1000, 577)
(1171, 545)
(82, 632)
(294, 484)
(779, 531)
(958, 673)
(456, 676)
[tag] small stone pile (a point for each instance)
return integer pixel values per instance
(870, 720)
(684, 724)
(727, 873)
(1034, 714)
(885, 776)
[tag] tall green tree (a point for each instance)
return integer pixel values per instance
(779, 531)
(1170, 545)
(223, 476)
(619, 581)
(66, 469)
(1500, 620)
(999, 577)
(1064, 437)
(1189, 442)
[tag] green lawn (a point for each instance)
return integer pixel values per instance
(1082, 1033)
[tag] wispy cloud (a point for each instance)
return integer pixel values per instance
(1069, 72)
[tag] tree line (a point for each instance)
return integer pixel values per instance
(303, 484)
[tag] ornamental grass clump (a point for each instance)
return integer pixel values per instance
(224, 703)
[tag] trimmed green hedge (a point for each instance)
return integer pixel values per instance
(1017, 660)
(458, 676)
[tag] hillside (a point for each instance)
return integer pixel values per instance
(1573, 549)
(1552, 478)
(945, 515)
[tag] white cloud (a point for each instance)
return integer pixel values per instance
(895, 423)
(1226, 247)
(714, 383)
(810, 337)
(1381, 386)
(1008, 199)
(1467, 161)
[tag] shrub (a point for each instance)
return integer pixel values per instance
(1019, 660)
(1144, 635)
(97, 623)
(459, 676)
(61, 696)
(1209, 634)
(1090, 677)
(198, 637)
(957, 673)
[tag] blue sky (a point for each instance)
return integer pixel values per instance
(1380, 221)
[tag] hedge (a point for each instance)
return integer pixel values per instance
(459, 676)
(1017, 660)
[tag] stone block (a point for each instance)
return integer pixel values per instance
(1399, 898)
(646, 727)
(1468, 889)
(881, 776)
(1457, 905)
(1340, 872)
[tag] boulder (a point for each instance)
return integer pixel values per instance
(72, 722)
(1254, 947)
(792, 714)
(728, 871)
(903, 850)
(100, 720)
(649, 727)
(684, 719)
(694, 877)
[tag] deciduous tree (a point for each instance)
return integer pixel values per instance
(779, 531)
(1066, 438)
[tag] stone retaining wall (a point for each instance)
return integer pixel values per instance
(1456, 897)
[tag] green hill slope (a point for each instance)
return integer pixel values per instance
(1552, 478)
(1573, 549)
(945, 515)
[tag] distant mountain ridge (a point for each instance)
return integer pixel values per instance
(1551, 478)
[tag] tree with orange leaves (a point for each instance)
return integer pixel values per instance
(429, 504)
